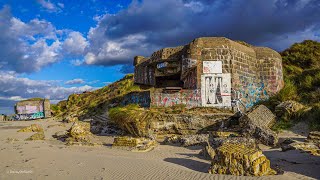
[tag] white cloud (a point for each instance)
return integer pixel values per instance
(75, 81)
(77, 62)
(12, 98)
(29, 46)
(195, 6)
(49, 6)
(75, 43)
(15, 88)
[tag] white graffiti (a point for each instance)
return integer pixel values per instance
(216, 90)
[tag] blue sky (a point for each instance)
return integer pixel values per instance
(53, 48)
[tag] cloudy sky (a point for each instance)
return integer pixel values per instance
(52, 48)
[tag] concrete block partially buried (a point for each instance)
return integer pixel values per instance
(257, 123)
(260, 116)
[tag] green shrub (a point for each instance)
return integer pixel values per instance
(289, 92)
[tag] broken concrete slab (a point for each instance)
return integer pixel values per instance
(257, 123)
(37, 136)
(134, 144)
(314, 136)
(235, 157)
(32, 128)
(287, 108)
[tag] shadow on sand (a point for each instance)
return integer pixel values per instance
(189, 163)
(295, 161)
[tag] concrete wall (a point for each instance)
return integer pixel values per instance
(190, 98)
(141, 98)
(255, 72)
(33, 109)
(2, 117)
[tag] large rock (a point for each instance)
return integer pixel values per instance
(208, 152)
(142, 122)
(314, 136)
(32, 128)
(78, 134)
(37, 136)
(240, 160)
(257, 123)
(237, 156)
(134, 144)
(302, 146)
(187, 140)
(287, 109)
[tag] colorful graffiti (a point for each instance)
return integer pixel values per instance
(216, 90)
(29, 109)
(190, 98)
(141, 98)
(250, 92)
(188, 63)
(36, 115)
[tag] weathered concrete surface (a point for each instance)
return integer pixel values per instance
(187, 140)
(256, 124)
(308, 147)
(33, 109)
(3, 117)
(32, 128)
(238, 159)
(78, 134)
(255, 72)
(314, 136)
(134, 144)
(287, 109)
(37, 136)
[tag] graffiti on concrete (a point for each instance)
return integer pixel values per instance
(141, 98)
(251, 92)
(212, 67)
(188, 63)
(29, 109)
(36, 115)
(190, 81)
(216, 90)
(190, 98)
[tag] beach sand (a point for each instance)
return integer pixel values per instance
(51, 159)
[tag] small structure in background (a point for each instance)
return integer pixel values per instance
(3, 117)
(35, 108)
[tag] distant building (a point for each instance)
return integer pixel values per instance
(210, 72)
(3, 117)
(35, 108)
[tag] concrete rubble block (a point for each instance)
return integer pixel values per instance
(224, 134)
(240, 160)
(70, 118)
(32, 128)
(134, 144)
(308, 147)
(287, 108)
(78, 134)
(192, 140)
(260, 116)
(208, 152)
(314, 136)
(217, 142)
(257, 123)
(37, 136)
(187, 140)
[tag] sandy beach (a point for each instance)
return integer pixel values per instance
(51, 159)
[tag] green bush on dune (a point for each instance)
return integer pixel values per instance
(301, 65)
